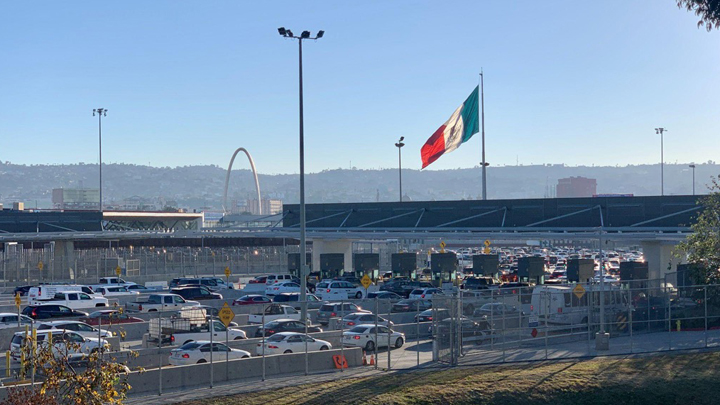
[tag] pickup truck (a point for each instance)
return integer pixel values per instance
(73, 300)
(112, 282)
(273, 312)
(183, 330)
(161, 302)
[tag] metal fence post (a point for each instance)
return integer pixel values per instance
(211, 328)
(307, 361)
(417, 332)
(342, 330)
(263, 342)
(160, 350)
(547, 314)
(631, 309)
(375, 346)
(706, 317)
(389, 335)
(227, 354)
(492, 320)
(669, 315)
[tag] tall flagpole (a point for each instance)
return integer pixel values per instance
(482, 109)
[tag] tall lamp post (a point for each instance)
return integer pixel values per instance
(303, 262)
(661, 131)
(399, 145)
(101, 112)
(692, 166)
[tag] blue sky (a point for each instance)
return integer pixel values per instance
(187, 82)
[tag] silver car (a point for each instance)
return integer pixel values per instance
(359, 318)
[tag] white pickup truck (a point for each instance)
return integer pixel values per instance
(112, 282)
(161, 302)
(73, 300)
(184, 330)
(273, 312)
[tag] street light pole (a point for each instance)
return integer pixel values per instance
(661, 131)
(482, 110)
(100, 113)
(303, 262)
(692, 166)
(399, 145)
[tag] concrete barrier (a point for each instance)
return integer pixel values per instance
(177, 377)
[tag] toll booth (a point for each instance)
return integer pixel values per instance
(443, 267)
(366, 263)
(635, 274)
(294, 263)
(403, 264)
(486, 265)
(331, 265)
(580, 270)
(531, 268)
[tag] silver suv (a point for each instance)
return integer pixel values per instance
(337, 310)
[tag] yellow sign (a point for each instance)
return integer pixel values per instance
(17, 300)
(579, 291)
(40, 265)
(486, 251)
(487, 242)
(442, 246)
(365, 281)
(118, 271)
(227, 271)
(226, 315)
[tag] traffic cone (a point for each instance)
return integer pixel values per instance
(372, 359)
(364, 359)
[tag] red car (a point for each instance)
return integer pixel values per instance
(252, 299)
(258, 280)
(108, 316)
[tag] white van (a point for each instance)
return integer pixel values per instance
(558, 304)
(277, 278)
(47, 292)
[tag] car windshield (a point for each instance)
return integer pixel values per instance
(275, 338)
(418, 291)
(352, 316)
(322, 285)
(327, 308)
(358, 329)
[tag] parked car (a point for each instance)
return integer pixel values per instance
(116, 291)
(184, 330)
(10, 320)
(199, 352)
(404, 287)
(196, 293)
(112, 282)
(424, 293)
(72, 299)
(411, 305)
(291, 342)
(350, 279)
(497, 310)
(210, 283)
(79, 327)
(107, 316)
(384, 295)
(479, 283)
(49, 311)
(252, 299)
(285, 325)
(258, 280)
(336, 310)
(364, 336)
(140, 288)
(277, 278)
(161, 302)
(475, 332)
(359, 318)
(273, 312)
(313, 302)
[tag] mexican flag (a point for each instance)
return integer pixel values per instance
(461, 126)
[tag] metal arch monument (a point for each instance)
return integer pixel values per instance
(227, 179)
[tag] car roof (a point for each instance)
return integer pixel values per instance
(59, 322)
(289, 333)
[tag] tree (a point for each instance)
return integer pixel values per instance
(707, 10)
(702, 247)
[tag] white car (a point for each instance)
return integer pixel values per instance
(364, 336)
(291, 342)
(277, 278)
(116, 291)
(360, 318)
(199, 352)
(283, 287)
(338, 290)
(63, 343)
(81, 328)
(10, 320)
(424, 293)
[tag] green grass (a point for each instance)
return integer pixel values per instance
(664, 379)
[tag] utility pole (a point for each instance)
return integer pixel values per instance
(100, 113)
(661, 131)
(482, 120)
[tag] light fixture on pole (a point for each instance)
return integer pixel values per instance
(692, 166)
(101, 112)
(661, 131)
(399, 145)
(303, 262)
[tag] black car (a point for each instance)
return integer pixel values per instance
(475, 332)
(22, 290)
(384, 295)
(51, 311)
(427, 315)
(285, 325)
(411, 305)
(404, 287)
(196, 293)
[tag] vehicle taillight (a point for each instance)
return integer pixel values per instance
(34, 314)
(356, 337)
(351, 323)
(328, 290)
(429, 318)
(532, 307)
(140, 307)
(272, 347)
(172, 339)
(333, 314)
(270, 332)
(559, 310)
(422, 296)
(185, 356)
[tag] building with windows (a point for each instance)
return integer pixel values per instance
(76, 198)
(269, 206)
(576, 187)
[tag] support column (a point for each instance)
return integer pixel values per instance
(341, 246)
(659, 256)
(64, 266)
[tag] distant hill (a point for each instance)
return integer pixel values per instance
(202, 186)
